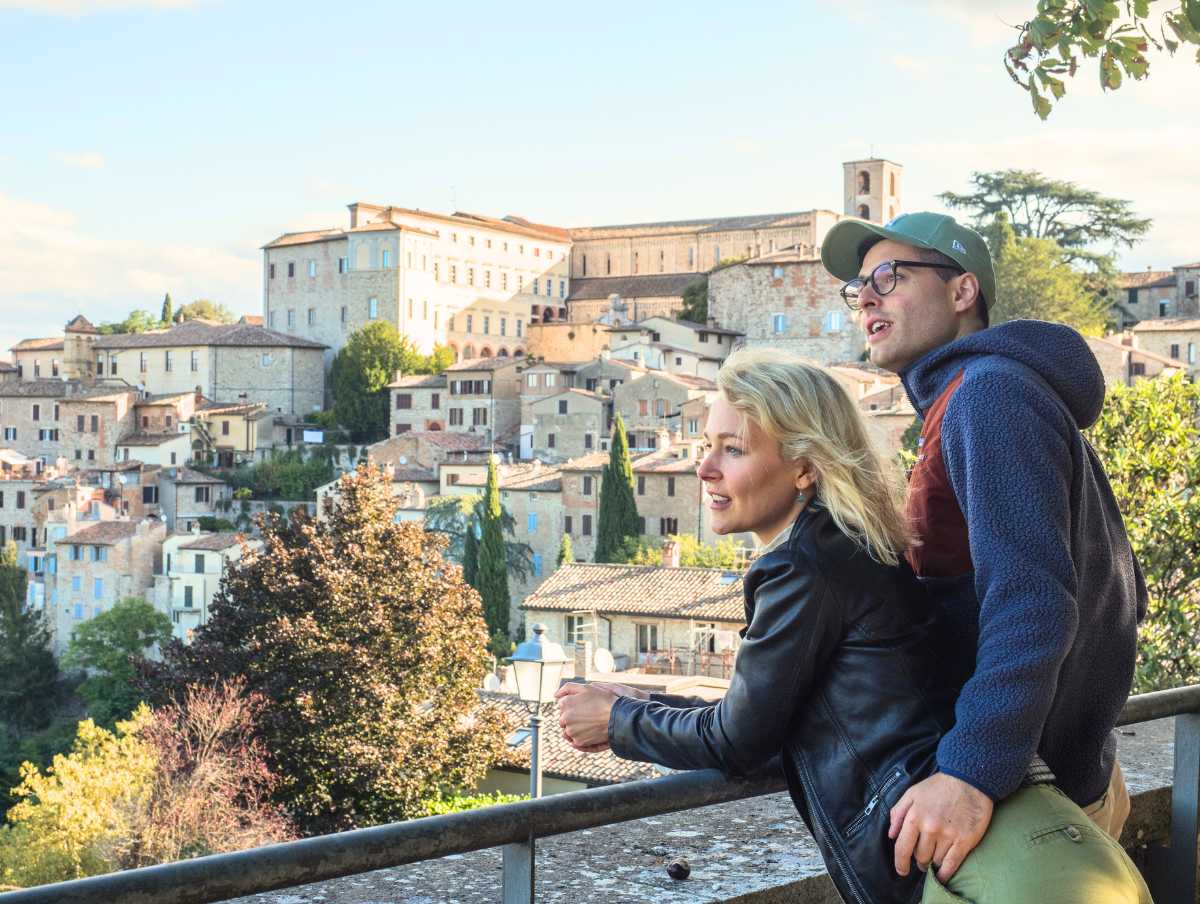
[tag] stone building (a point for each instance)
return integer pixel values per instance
(94, 419)
(99, 565)
(471, 282)
(567, 342)
(606, 373)
(1175, 338)
(787, 301)
(651, 405)
(636, 297)
(418, 403)
(1147, 295)
(185, 496)
(1125, 365)
(680, 620)
(570, 424)
(228, 434)
(31, 418)
(193, 565)
(38, 359)
(872, 189)
(18, 488)
(675, 345)
(165, 450)
(485, 397)
(234, 362)
(1187, 290)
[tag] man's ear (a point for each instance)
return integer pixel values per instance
(966, 292)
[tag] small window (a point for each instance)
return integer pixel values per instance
(271, 271)
(312, 316)
(779, 323)
(562, 406)
(345, 314)
(549, 440)
(587, 485)
(587, 525)
(168, 360)
(312, 269)
(670, 486)
(641, 485)
(587, 441)
(1175, 351)
(834, 321)
(343, 264)
(531, 522)
(291, 269)
(387, 258)
(372, 308)
(291, 317)
(195, 360)
(403, 401)
(567, 524)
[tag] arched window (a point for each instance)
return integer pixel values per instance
(468, 351)
(519, 353)
(864, 211)
(454, 349)
(503, 353)
(864, 182)
(485, 352)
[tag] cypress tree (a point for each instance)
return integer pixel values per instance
(492, 576)
(618, 528)
(168, 311)
(470, 559)
(565, 552)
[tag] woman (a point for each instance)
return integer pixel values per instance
(835, 673)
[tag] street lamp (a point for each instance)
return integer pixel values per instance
(537, 668)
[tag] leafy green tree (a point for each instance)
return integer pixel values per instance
(1043, 208)
(285, 475)
(361, 373)
(725, 553)
(136, 322)
(168, 311)
(366, 650)
(107, 646)
(441, 358)
(909, 445)
(619, 526)
(1148, 439)
(1034, 280)
(451, 515)
(491, 579)
(565, 552)
(28, 672)
(695, 302)
(204, 309)
(1119, 34)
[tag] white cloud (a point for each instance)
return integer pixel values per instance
(747, 146)
(83, 7)
(52, 269)
(911, 65)
(89, 160)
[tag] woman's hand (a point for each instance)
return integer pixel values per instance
(621, 690)
(583, 714)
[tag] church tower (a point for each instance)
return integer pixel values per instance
(78, 338)
(871, 189)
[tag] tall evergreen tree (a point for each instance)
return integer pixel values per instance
(168, 311)
(618, 530)
(28, 672)
(491, 579)
(470, 556)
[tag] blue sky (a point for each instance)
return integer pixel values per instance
(153, 145)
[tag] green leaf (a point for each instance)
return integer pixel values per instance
(1141, 8)
(1042, 31)
(1192, 9)
(1041, 106)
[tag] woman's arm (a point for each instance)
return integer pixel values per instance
(794, 630)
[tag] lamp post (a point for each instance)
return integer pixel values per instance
(537, 668)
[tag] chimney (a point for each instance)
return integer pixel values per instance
(670, 554)
(583, 658)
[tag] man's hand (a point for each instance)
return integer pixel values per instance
(583, 714)
(939, 821)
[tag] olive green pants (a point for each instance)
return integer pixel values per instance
(1041, 849)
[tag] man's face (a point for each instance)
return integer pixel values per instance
(917, 316)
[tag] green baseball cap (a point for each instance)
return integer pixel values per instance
(847, 243)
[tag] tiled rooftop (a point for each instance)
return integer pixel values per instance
(213, 542)
(654, 285)
(148, 439)
(705, 593)
(202, 333)
(102, 533)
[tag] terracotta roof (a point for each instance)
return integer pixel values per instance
(709, 224)
(558, 758)
(414, 475)
(304, 238)
(201, 332)
(1167, 324)
(52, 343)
(1145, 279)
(102, 533)
(689, 381)
(1136, 352)
(1194, 266)
(537, 478)
(43, 389)
(149, 439)
(209, 407)
(455, 442)
(655, 285)
(419, 381)
(80, 324)
(700, 327)
(187, 475)
(7, 367)
(214, 542)
(513, 224)
(166, 398)
(494, 363)
(655, 461)
(703, 593)
(252, 319)
(558, 232)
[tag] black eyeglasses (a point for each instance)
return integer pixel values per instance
(883, 279)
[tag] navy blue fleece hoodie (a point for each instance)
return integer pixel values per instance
(1043, 603)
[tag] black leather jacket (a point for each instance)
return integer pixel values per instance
(835, 675)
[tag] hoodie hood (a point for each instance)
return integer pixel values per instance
(1056, 353)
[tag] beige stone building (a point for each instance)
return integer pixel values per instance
(787, 301)
(18, 489)
(1175, 338)
(570, 424)
(484, 397)
(193, 566)
(228, 434)
(669, 619)
(161, 449)
(94, 419)
(419, 402)
(185, 496)
(572, 342)
(99, 565)
(1148, 294)
(674, 345)
(31, 418)
(429, 450)
(474, 283)
(1125, 365)
(633, 297)
(651, 405)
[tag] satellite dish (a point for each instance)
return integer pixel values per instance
(603, 660)
(403, 459)
(491, 682)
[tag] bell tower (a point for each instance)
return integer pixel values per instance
(872, 189)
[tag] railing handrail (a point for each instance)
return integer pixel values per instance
(219, 877)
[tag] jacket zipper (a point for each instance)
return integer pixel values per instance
(821, 820)
(858, 820)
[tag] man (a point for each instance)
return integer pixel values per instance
(1022, 543)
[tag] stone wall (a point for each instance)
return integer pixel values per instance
(567, 342)
(288, 380)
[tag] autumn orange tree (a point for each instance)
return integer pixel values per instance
(366, 647)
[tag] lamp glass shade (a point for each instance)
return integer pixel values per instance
(537, 667)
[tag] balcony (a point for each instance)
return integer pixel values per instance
(612, 844)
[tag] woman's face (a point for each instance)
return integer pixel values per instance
(748, 485)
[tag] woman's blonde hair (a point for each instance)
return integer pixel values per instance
(814, 420)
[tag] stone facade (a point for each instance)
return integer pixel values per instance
(572, 423)
(185, 496)
(39, 359)
(93, 422)
(31, 418)
(1174, 338)
(872, 189)
(418, 402)
(567, 342)
(1125, 365)
(650, 405)
(471, 282)
(193, 565)
(165, 450)
(99, 565)
(484, 397)
(787, 301)
(17, 524)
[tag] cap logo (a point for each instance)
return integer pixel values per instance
(958, 246)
